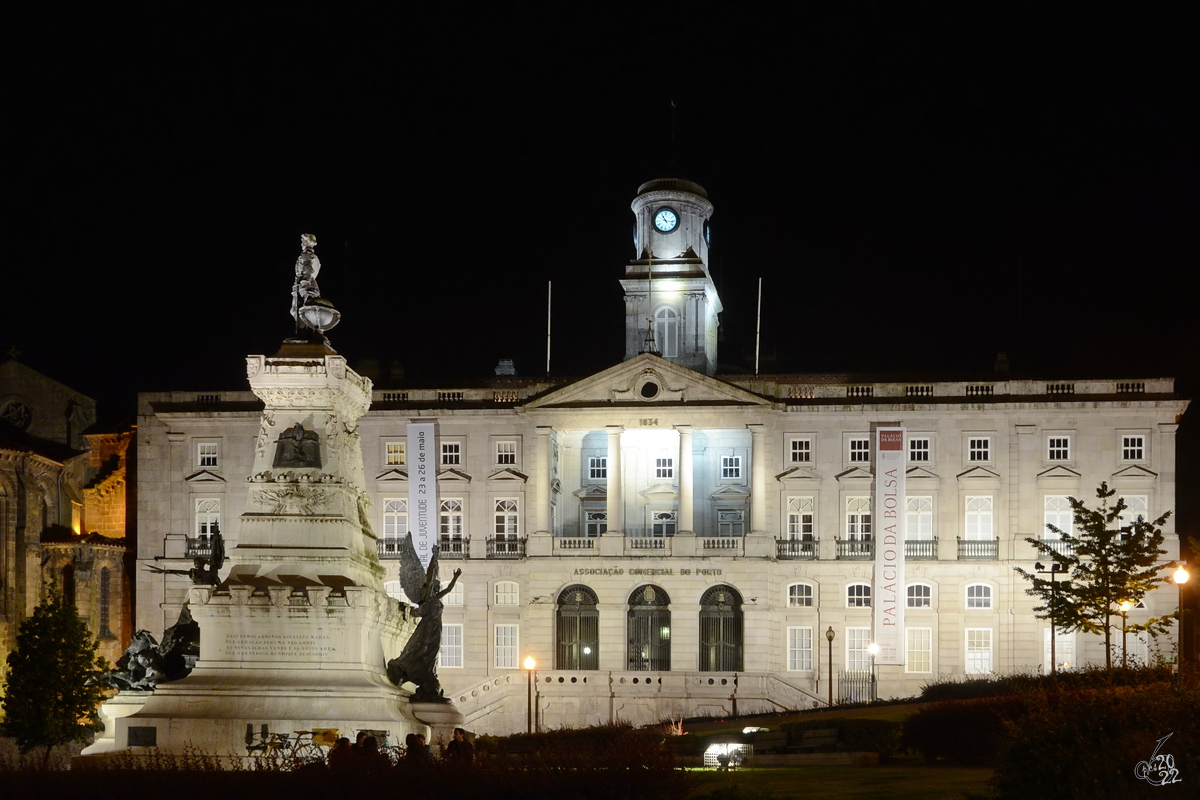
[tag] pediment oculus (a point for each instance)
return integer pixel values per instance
(644, 380)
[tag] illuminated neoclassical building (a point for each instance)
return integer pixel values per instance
(664, 540)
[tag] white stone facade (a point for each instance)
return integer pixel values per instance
(743, 502)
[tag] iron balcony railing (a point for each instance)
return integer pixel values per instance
(855, 550)
(199, 547)
(978, 550)
(503, 547)
(448, 547)
(796, 549)
(921, 549)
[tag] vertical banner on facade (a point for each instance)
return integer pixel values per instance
(422, 487)
(889, 545)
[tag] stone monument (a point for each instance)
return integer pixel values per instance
(297, 635)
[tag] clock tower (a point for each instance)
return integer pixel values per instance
(671, 303)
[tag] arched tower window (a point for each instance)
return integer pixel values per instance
(649, 629)
(666, 331)
(578, 629)
(721, 630)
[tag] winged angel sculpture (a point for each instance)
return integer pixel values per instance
(418, 662)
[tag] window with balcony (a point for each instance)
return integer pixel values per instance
(801, 518)
(918, 519)
(978, 523)
(1060, 515)
(858, 518)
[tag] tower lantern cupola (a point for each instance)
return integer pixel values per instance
(668, 288)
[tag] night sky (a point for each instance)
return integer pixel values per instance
(1000, 177)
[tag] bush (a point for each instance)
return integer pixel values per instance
(855, 735)
(1088, 744)
(967, 733)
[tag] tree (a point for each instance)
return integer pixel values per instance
(47, 699)
(1112, 560)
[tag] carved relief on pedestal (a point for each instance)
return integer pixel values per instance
(291, 499)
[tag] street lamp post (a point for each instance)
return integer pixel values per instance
(873, 649)
(1054, 570)
(1125, 606)
(829, 634)
(1181, 577)
(530, 666)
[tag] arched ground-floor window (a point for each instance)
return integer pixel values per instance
(578, 629)
(649, 629)
(721, 630)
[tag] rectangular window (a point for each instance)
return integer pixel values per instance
(801, 518)
(731, 467)
(394, 454)
(978, 524)
(1058, 448)
(597, 468)
(506, 452)
(395, 518)
(451, 652)
(1133, 448)
(979, 650)
(920, 596)
(918, 448)
(858, 518)
(800, 649)
(918, 523)
(801, 451)
(507, 647)
(979, 449)
(1058, 514)
(208, 517)
(919, 647)
(662, 523)
(1064, 649)
(858, 658)
(451, 453)
(731, 522)
(595, 523)
(206, 454)
(507, 519)
(450, 519)
(860, 449)
(664, 468)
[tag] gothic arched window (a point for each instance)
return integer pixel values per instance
(578, 629)
(721, 630)
(666, 331)
(649, 629)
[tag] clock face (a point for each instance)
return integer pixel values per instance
(665, 220)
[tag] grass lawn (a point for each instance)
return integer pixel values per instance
(801, 783)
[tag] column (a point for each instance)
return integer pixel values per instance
(543, 479)
(758, 478)
(685, 479)
(616, 517)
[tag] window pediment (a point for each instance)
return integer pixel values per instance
(592, 492)
(508, 475)
(453, 476)
(920, 474)
(979, 474)
(798, 476)
(1058, 477)
(204, 476)
(392, 476)
(660, 490)
(1134, 476)
(855, 474)
(731, 494)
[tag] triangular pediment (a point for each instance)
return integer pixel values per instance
(1059, 471)
(855, 474)
(508, 474)
(979, 474)
(204, 476)
(731, 493)
(660, 490)
(920, 474)
(594, 491)
(627, 382)
(453, 476)
(392, 475)
(797, 476)
(1135, 471)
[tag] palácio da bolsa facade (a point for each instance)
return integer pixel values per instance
(665, 541)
